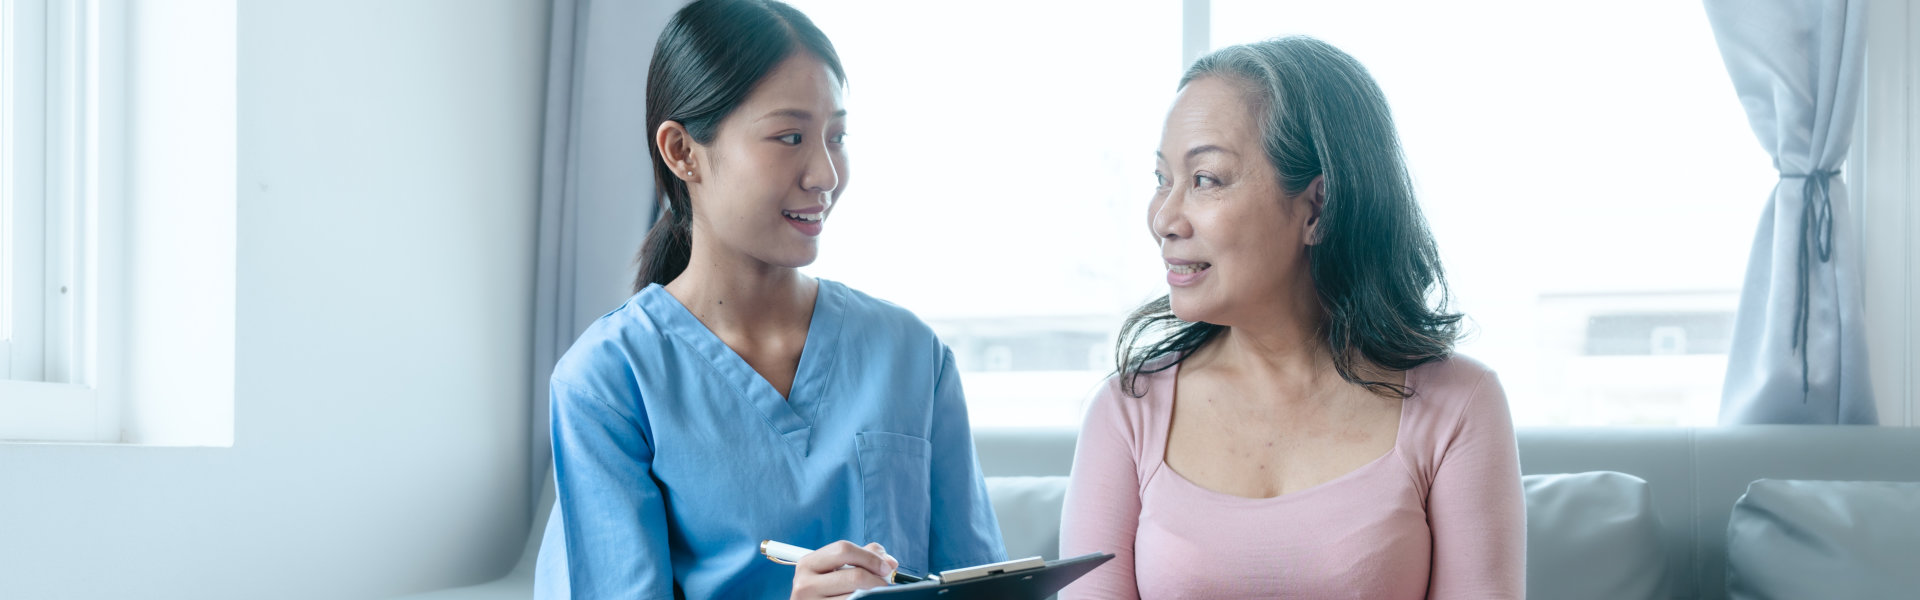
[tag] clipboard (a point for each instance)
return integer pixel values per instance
(1011, 580)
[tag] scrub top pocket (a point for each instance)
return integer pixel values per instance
(895, 480)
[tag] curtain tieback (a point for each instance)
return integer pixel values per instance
(1816, 239)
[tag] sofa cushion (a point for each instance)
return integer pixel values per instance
(1593, 535)
(1029, 513)
(1824, 539)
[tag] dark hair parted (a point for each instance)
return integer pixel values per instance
(1375, 268)
(709, 58)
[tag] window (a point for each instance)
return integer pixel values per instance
(1881, 175)
(8, 180)
(40, 206)
(998, 184)
(50, 116)
(1626, 171)
(121, 147)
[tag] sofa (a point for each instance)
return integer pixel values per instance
(1646, 517)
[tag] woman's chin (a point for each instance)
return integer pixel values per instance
(795, 258)
(1187, 307)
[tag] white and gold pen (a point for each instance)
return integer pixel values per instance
(789, 554)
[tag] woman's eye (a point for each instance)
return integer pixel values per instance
(791, 139)
(839, 138)
(1201, 181)
(1159, 180)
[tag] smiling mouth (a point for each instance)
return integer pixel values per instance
(805, 217)
(1189, 269)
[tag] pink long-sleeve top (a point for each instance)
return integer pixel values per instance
(1439, 516)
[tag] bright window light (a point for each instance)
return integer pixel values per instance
(1591, 179)
(1000, 172)
(1587, 170)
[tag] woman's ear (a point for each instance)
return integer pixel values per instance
(1316, 197)
(676, 150)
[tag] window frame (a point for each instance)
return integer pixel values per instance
(1885, 188)
(7, 179)
(65, 72)
(22, 201)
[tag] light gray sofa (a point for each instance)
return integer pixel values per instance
(1693, 478)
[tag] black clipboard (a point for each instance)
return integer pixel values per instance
(1034, 583)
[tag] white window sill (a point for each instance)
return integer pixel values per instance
(32, 411)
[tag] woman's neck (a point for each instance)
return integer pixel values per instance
(1287, 355)
(1283, 345)
(737, 296)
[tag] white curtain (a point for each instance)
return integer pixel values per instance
(596, 188)
(1799, 351)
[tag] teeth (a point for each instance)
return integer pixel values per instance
(1188, 269)
(808, 217)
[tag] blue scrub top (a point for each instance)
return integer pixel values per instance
(674, 458)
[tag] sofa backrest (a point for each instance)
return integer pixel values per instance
(1695, 475)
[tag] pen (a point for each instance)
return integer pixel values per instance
(789, 554)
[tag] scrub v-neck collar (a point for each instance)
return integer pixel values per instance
(809, 379)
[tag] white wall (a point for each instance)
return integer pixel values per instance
(387, 160)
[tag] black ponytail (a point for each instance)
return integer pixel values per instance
(708, 59)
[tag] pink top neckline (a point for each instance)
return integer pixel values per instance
(1166, 432)
(1450, 522)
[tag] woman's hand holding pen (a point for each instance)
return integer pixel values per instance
(840, 569)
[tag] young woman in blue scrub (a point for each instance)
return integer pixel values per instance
(734, 398)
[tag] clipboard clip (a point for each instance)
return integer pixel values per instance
(986, 570)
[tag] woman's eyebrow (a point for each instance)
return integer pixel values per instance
(1199, 150)
(1209, 148)
(798, 114)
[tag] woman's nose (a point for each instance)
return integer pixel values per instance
(822, 175)
(1167, 221)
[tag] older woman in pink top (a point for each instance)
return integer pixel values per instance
(1291, 421)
